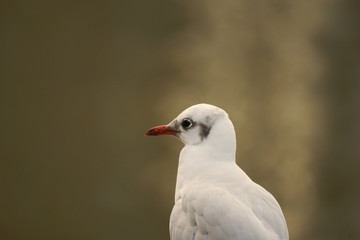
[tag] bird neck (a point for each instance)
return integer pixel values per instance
(203, 159)
(221, 142)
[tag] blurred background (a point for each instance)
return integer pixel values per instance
(81, 81)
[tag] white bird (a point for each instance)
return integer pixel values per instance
(214, 198)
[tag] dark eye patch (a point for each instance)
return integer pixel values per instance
(205, 130)
(186, 123)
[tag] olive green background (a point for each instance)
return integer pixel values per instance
(81, 81)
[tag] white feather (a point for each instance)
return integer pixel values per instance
(214, 198)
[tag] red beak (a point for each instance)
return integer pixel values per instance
(160, 130)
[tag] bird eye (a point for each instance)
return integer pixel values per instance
(186, 123)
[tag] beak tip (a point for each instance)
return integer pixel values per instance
(151, 132)
(147, 133)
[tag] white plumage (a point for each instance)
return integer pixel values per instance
(214, 198)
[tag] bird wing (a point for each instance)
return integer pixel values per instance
(267, 209)
(208, 212)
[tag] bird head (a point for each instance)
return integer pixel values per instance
(198, 124)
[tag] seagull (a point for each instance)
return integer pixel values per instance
(214, 198)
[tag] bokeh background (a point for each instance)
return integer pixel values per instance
(81, 81)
